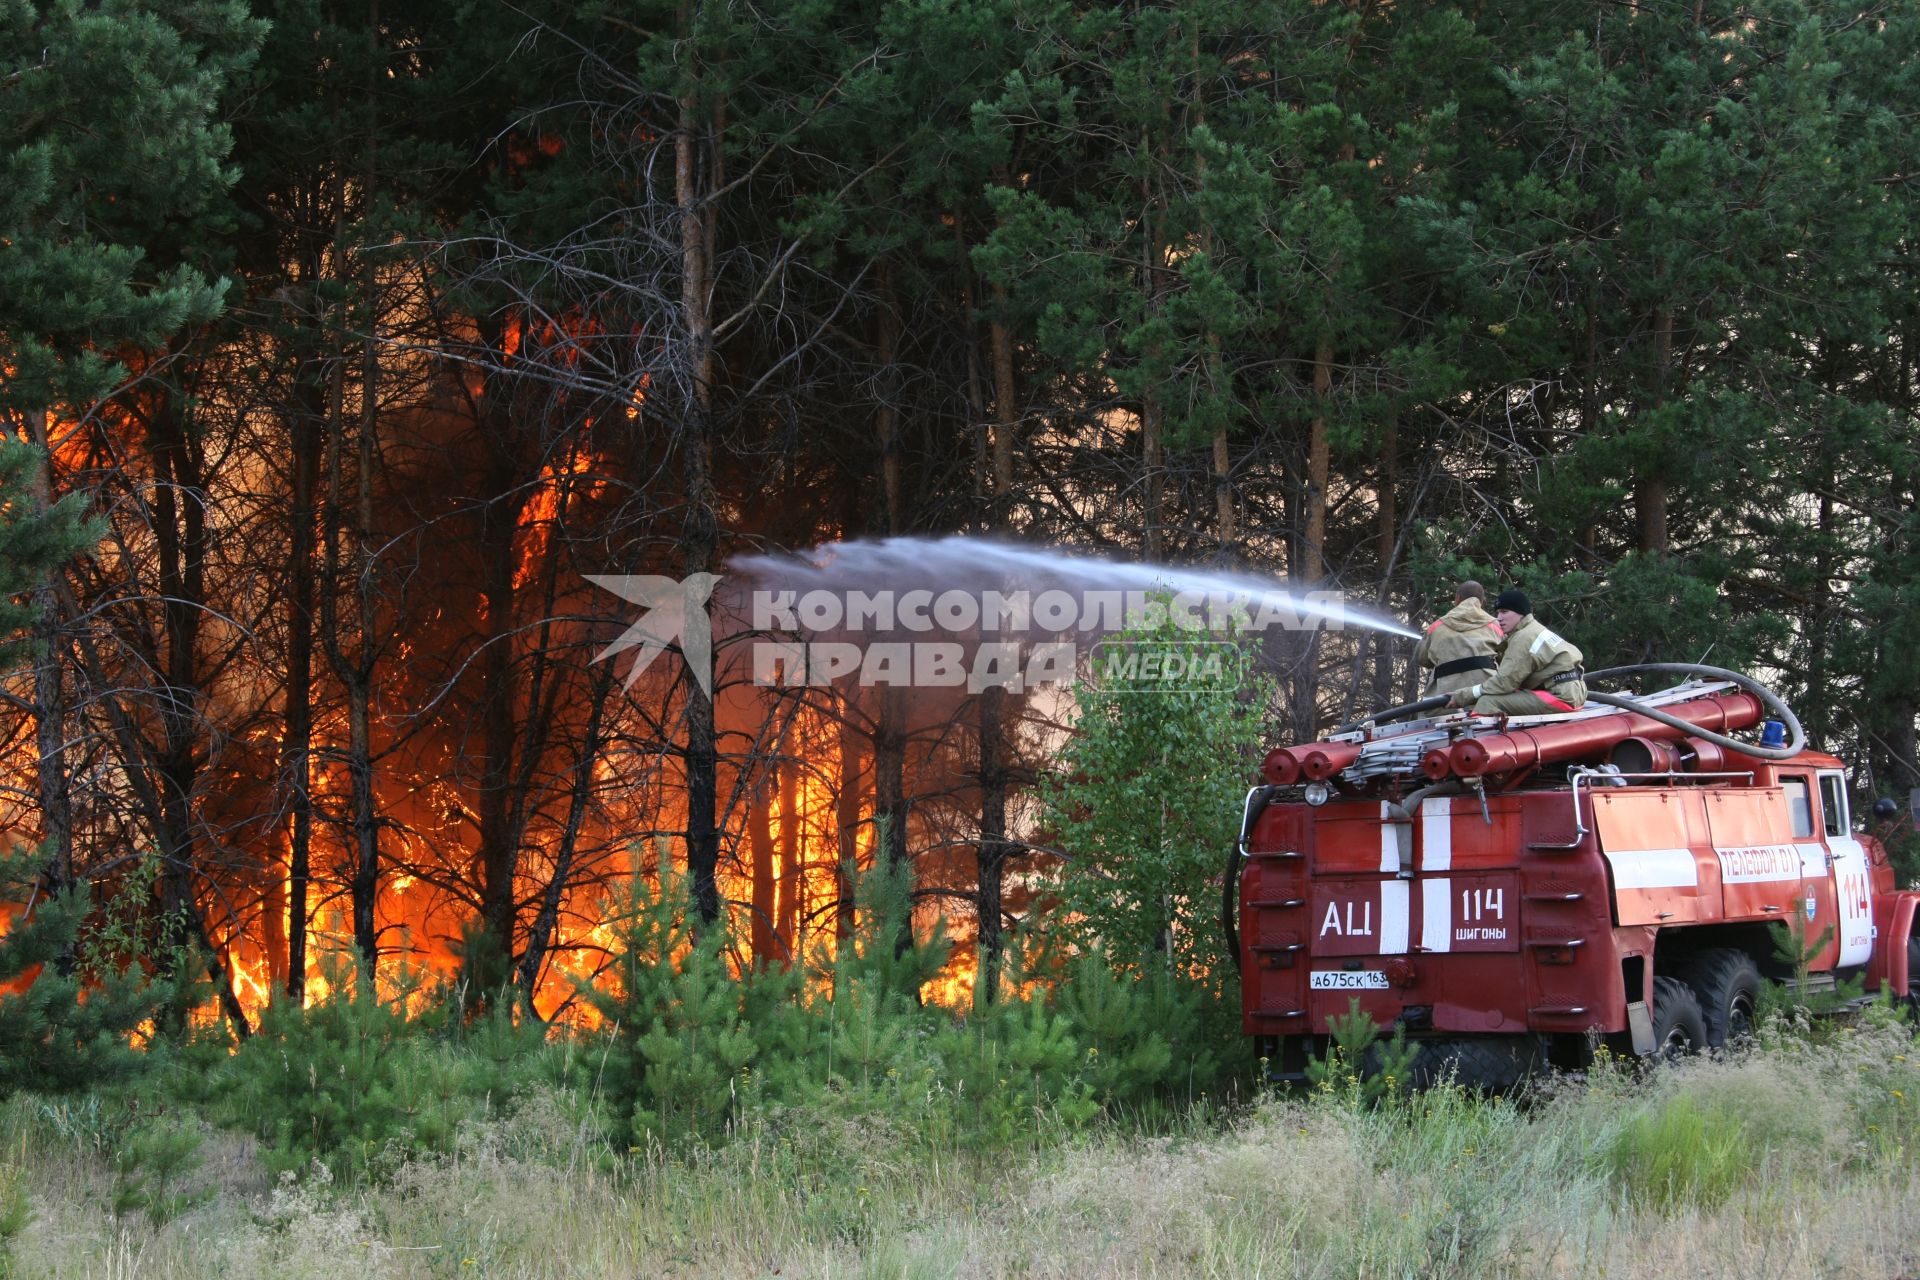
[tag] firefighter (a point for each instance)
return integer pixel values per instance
(1539, 671)
(1460, 646)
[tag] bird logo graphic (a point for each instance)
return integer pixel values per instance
(676, 613)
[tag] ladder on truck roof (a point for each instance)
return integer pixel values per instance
(1397, 749)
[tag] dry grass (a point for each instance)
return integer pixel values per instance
(1825, 1184)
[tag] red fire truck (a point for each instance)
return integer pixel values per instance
(1514, 891)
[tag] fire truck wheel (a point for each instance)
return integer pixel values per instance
(1678, 1028)
(1727, 983)
(1491, 1065)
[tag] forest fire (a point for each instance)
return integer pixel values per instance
(783, 891)
(526, 793)
(549, 552)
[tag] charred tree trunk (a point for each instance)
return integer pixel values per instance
(54, 782)
(499, 849)
(546, 920)
(792, 881)
(994, 849)
(178, 522)
(990, 857)
(355, 669)
(847, 824)
(761, 929)
(365, 819)
(135, 758)
(296, 744)
(696, 141)
(890, 803)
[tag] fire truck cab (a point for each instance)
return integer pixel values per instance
(1512, 892)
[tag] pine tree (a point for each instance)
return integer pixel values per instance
(1685, 229)
(111, 154)
(73, 1001)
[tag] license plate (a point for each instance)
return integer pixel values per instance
(1349, 980)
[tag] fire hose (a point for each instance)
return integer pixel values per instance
(1797, 739)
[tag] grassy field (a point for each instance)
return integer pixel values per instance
(1794, 1159)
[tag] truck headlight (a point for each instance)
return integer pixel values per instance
(1318, 793)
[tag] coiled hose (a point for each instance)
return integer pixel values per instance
(1796, 741)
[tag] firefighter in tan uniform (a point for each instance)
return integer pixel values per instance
(1539, 671)
(1460, 646)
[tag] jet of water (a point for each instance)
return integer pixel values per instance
(982, 564)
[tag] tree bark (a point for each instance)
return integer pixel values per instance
(355, 670)
(54, 782)
(692, 140)
(1313, 551)
(1386, 548)
(761, 851)
(499, 849)
(847, 825)
(792, 849)
(990, 857)
(134, 759)
(296, 743)
(889, 773)
(886, 411)
(546, 920)
(1650, 486)
(993, 849)
(1309, 561)
(1005, 413)
(1225, 525)
(1152, 410)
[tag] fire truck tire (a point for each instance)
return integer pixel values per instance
(1726, 982)
(1678, 1027)
(1491, 1065)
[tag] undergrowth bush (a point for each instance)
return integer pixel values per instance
(355, 1082)
(1359, 1068)
(82, 1001)
(153, 1169)
(1679, 1152)
(688, 1051)
(16, 1211)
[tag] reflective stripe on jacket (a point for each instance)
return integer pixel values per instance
(1466, 632)
(1531, 656)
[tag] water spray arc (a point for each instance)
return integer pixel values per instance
(986, 564)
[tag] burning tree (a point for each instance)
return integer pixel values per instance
(114, 166)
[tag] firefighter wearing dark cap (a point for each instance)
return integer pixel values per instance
(1539, 670)
(1461, 645)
